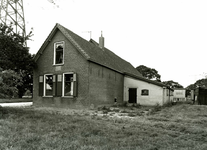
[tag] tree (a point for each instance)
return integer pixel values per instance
(14, 55)
(9, 81)
(149, 73)
(198, 83)
(173, 84)
(191, 87)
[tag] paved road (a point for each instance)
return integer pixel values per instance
(21, 104)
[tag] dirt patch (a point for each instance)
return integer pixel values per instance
(104, 112)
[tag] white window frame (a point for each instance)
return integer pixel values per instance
(44, 90)
(63, 87)
(54, 60)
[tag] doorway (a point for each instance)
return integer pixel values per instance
(132, 95)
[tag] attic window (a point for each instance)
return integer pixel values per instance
(59, 53)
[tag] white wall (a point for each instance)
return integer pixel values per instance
(157, 94)
(179, 93)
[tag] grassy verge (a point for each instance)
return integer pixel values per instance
(177, 127)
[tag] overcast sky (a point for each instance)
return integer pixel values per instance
(167, 35)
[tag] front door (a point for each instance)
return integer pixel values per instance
(132, 95)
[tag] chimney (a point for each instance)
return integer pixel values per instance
(101, 41)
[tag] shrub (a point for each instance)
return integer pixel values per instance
(9, 81)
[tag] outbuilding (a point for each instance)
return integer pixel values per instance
(201, 96)
(179, 94)
(146, 92)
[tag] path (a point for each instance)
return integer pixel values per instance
(20, 104)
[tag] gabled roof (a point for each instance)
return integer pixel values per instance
(92, 52)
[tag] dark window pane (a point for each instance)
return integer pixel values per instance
(59, 53)
(48, 85)
(68, 91)
(59, 47)
(59, 57)
(145, 92)
(68, 77)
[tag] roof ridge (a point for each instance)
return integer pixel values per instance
(93, 41)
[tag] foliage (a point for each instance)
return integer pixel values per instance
(191, 87)
(198, 83)
(14, 55)
(173, 84)
(9, 81)
(149, 73)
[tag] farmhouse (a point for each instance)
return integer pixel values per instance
(74, 72)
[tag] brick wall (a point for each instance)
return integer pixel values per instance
(96, 84)
(73, 62)
(104, 85)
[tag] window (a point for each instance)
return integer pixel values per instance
(48, 85)
(69, 84)
(58, 85)
(145, 92)
(58, 53)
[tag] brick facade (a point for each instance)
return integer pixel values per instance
(96, 84)
(73, 62)
(104, 85)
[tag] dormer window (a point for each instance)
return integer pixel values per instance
(59, 53)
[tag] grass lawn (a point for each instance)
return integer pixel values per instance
(182, 126)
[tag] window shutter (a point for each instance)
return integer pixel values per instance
(59, 85)
(75, 88)
(54, 85)
(41, 85)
